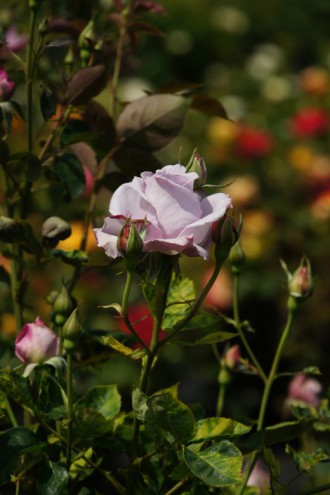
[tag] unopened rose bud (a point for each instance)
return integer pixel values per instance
(69, 59)
(62, 306)
(35, 4)
(130, 245)
(300, 283)
(71, 331)
(232, 357)
(85, 41)
(43, 27)
(197, 164)
(53, 230)
(224, 235)
(237, 258)
(36, 343)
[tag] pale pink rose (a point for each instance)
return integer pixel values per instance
(305, 389)
(36, 343)
(168, 213)
(15, 41)
(6, 86)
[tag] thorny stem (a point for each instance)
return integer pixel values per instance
(69, 393)
(177, 487)
(241, 332)
(112, 480)
(10, 412)
(118, 61)
(292, 311)
(29, 77)
(161, 291)
(127, 290)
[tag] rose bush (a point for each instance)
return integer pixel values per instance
(168, 213)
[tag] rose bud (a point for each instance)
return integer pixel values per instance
(7, 86)
(130, 245)
(62, 306)
(36, 343)
(71, 331)
(237, 257)
(305, 389)
(53, 230)
(225, 235)
(232, 357)
(300, 283)
(197, 164)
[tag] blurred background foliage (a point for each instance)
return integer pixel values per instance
(268, 63)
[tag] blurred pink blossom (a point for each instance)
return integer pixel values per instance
(15, 41)
(7, 86)
(233, 356)
(305, 389)
(253, 143)
(310, 122)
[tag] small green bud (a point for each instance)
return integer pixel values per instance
(130, 245)
(62, 306)
(69, 345)
(224, 376)
(43, 27)
(86, 41)
(72, 329)
(236, 257)
(35, 4)
(197, 164)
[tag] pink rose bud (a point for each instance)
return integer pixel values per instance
(7, 86)
(232, 357)
(36, 343)
(300, 283)
(305, 389)
(197, 164)
(129, 241)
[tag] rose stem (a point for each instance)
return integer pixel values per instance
(292, 311)
(241, 332)
(69, 393)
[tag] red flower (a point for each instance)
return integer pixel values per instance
(310, 122)
(142, 322)
(253, 143)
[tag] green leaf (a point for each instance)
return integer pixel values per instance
(211, 428)
(13, 443)
(52, 479)
(80, 468)
(172, 415)
(6, 115)
(104, 398)
(306, 460)
(211, 338)
(89, 424)
(272, 435)
(117, 346)
(139, 403)
(74, 257)
(181, 296)
(25, 166)
(16, 387)
(219, 465)
(69, 171)
(152, 122)
(48, 104)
